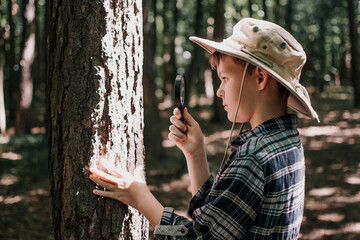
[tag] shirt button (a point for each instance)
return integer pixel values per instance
(182, 231)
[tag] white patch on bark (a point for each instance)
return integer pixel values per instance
(125, 141)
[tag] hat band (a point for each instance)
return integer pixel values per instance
(269, 64)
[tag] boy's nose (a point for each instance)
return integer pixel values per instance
(220, 92)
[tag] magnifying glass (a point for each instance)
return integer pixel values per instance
(180, 93)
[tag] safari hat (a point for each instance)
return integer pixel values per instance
(271, 48)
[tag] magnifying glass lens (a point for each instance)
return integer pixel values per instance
(182, 92)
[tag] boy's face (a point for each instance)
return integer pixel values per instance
(230, 74)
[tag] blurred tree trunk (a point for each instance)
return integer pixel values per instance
(343, 71)
(168, 44)
(219, 26)
(321, 41)
(39, 65)
(152, 130)
(250, 8)
(12, 94)
(96, 111)
(355, 75)
(265, 10)
(172, 41)
(277, 11)
(194, 72)
(2, 99)
(25, 87)
(289, 13)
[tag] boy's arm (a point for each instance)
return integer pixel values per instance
(189, 138)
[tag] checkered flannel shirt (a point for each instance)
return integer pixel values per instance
(257, 194)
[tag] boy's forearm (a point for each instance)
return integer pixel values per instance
(198, 169)
(150, 207)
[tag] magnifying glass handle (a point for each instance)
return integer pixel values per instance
(181, 108)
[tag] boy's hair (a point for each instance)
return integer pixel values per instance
(217, 56)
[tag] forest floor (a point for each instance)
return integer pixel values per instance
(332, 149)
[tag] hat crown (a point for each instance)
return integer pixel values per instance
(270, 43)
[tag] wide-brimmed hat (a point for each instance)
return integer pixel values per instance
(271, 48)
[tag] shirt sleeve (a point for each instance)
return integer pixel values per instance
(222, 211)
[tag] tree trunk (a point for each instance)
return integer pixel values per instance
(168, 42)
(219, 26)
(289, 13)
(265, 9)
(152, 131)
(277, 11)
(95, 98)
(23, 121)
(250, 8)
(12, 94)
(355, 75)
(193, 74)
(2, 99)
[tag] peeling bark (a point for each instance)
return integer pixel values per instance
(96, 110)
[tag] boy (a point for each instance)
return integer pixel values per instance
(258, 192)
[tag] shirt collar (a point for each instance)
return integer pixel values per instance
(286, 122)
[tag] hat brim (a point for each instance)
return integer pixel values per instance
(297, 99)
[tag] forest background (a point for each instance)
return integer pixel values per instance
(328, 31)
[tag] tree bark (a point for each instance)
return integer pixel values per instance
(219, 26)
(355, 75)
(95, 57)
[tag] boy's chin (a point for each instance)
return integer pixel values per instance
(231, 117)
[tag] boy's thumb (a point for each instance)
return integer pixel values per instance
(188, 118)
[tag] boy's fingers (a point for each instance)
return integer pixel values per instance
(188, 118)
(103, 193)
(175, 131)
(111, 168)
(177, 113)
(103, 176)
(177, 123)
(174, 138)
(101, 183)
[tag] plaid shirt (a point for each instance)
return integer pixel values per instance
(257, 194)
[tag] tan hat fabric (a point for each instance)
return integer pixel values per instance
(271, 48)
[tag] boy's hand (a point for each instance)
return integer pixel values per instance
(119, 184)
(188, 135)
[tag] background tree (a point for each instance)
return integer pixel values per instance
(219, 28)
(2, 98)
(95, 98)
(152, 130)
(355, 75)
(25, 82)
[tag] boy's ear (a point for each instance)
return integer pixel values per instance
(262, 78)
